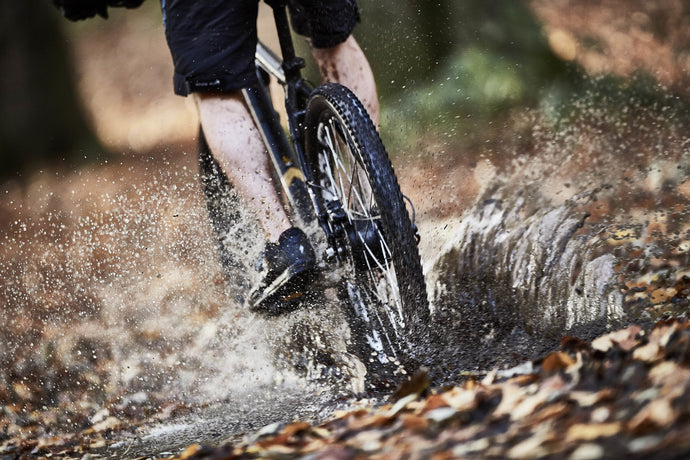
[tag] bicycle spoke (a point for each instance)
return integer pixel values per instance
(380, 272)
(349, 182)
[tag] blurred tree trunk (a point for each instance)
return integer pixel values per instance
(41, 120)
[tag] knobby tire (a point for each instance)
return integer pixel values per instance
(337, 125)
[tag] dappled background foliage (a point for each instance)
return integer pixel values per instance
(449, 70)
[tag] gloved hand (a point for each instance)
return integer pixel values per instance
(125, 3)
(75, 10)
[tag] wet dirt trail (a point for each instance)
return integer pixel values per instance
(121, 338)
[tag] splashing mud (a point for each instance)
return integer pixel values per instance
(587, 229)
(115, 302)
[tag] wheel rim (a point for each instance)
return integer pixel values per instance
(343, 177)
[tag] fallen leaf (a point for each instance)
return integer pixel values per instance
(413, 422)
(588, 398)
(190, 451)
(441, 414)
(531, 447)
(374, 420)
(417, 384)
(295, 428)
(587, 451)
(658, 413)
(590, 432)
(626, 339)
(401, 404)
(571, 344)
(511, 397)
(461, 400)
(435, 401)
(549, 412)
(557, 361)
(648, 353)
(662, 295)
(529, 405)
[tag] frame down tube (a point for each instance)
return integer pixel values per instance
(279, 150)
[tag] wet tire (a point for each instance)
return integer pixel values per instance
(356, 182)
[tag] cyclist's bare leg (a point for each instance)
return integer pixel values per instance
(237, 146)
(346, 64)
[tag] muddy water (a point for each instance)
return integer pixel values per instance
(114, 300)
(586, 230)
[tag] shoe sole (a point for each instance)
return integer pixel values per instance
(286, 289)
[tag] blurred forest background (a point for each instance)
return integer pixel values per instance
(451, 74)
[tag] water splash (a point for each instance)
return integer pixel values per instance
(574, 237)
(114, 298)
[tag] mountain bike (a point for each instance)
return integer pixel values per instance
(334, 171)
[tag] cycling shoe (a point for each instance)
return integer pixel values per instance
(287, 269)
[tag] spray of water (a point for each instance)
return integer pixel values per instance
(114, 301)
(114, 298)
(578, 235)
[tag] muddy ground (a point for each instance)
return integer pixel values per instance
(120, 338)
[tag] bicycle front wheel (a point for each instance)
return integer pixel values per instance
(355, 181)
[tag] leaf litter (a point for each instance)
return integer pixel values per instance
(624, 393)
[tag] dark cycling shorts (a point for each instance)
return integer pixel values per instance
(212, 42)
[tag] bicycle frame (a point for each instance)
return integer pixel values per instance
(288, 158)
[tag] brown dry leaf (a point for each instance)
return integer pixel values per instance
(441, 414)
(549, 412)
(669, 375)
(662, 295)
(295, 428)
(335, 452)
(320, 432)
(524, 379)
(624, 338)
(648, 353)
(657, 414)
(285, 436)
(279, 450)
(97, 444)
(533, 446)
(368, 441)
(682, 287)
(461, 400)
(273, 451)
(374, 420)
(529, 405)
(190, 451)
(557, 361)
(471, 384)
(662, 332)
(418, 383)
(590, 432)
(401, 404)
(109, 423)
(435, 401)
(574, 344)
(588, 399)
(413, 422)
(512, 395)
(313, 445)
